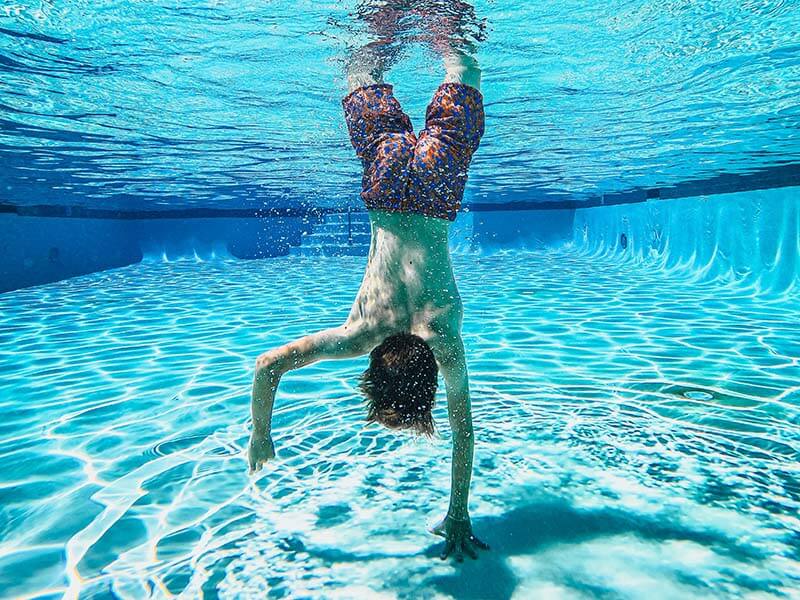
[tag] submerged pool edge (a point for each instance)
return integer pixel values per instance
(753, 236)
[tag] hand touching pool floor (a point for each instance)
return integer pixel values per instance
(408, 313)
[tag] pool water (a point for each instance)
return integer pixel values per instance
(227, 104)
(637, 436)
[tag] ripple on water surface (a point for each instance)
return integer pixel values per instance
(636, 437)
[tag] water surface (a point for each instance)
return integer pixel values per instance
(229, 103)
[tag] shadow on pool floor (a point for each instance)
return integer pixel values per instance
(540, 525)
(535, 527)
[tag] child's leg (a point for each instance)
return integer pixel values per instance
(454, 126)
(367, 65)
(462, 68)
(380, 132)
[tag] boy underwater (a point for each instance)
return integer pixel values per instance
(408, 312)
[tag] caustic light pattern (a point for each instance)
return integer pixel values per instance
(636, 437)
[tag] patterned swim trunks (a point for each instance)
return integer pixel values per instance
(406, 173)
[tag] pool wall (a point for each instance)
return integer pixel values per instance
(36, 250)
(752, 236)
(498, 229)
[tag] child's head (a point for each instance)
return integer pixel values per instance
(400, 384)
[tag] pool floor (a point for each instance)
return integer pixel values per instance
(636, 436)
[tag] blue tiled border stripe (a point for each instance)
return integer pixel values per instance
(773, 177)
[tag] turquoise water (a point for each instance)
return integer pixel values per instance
(637, 436)
(235, 103)
(637, 412)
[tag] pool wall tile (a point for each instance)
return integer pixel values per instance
(751, 235)
(217, 237)
(493, 230)
(746, 234)
(37, 250)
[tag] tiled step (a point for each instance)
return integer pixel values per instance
(339, 227)
(359, 250)
(338, 234)
(336, 239)
(355, 217)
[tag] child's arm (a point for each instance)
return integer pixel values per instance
(456, 527)
(339, 342)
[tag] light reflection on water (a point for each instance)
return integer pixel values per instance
(636, 436)
(227, 103)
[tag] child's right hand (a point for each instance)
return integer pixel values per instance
(260, 451)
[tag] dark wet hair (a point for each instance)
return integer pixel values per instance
(400, 384)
